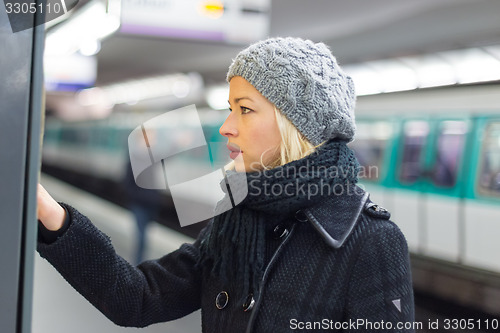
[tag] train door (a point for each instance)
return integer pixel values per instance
(374, 147)
(429, 185)
(408, 181)
(443, 188)
(482, 204)
(21, 102)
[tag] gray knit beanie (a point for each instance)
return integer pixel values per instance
(303, 80)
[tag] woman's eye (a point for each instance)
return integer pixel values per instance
(245, 110)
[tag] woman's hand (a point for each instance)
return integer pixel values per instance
(49, 212)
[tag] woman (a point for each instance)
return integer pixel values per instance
(305, 249)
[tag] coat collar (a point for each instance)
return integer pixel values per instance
(335, 217)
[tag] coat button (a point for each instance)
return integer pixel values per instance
(249, 303)
(280, 231)
(301, 216)
(377, 211)
(221, 300)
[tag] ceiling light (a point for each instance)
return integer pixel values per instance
(431, 70)
(216, 96)
(474, 65)
(131, 92)
(94, 21)
(394, 75)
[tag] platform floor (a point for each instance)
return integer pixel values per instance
(58, 308)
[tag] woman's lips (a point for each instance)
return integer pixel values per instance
(234, 154)
(234, 150)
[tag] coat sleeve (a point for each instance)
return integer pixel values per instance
(380, 289)
(155, 291)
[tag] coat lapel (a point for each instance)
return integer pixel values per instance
(335, 217)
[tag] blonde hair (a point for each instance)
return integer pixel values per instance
(293, 146)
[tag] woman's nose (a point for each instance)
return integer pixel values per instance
(229, 127)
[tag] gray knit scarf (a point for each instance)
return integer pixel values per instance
(235, 247)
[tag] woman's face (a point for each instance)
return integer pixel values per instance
(251, 127)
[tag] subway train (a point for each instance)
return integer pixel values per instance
(431, 157)
(437, 170)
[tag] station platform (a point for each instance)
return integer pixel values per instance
(58, 308)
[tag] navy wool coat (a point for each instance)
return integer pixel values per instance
(338, 266)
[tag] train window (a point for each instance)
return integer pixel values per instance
(414, 139)
(449, 149)
(370, 146)
(489, 167)
(74, 135)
